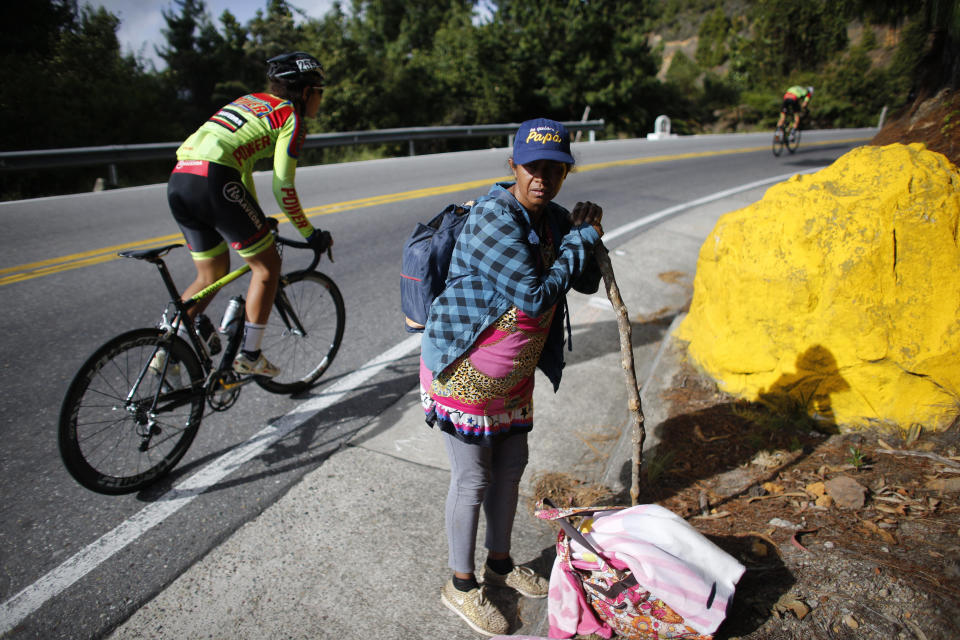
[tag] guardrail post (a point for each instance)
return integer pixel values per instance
(112, 173)
(883, 115)
(661, 128)
(586, 114)
(410, 146)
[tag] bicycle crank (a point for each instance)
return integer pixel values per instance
(223, 390)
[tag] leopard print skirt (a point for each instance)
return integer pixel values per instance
(489, 390)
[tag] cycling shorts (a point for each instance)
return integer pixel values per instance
(790, 104)
(210, 203)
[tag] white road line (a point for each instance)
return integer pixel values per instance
(14, 610)
(653, 217)
(57, 580)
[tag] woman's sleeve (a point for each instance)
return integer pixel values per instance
(285, 155)
(589, 280)
(502, 254)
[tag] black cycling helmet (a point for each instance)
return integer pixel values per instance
(296, 67)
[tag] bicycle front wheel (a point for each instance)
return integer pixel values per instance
(778, 141)
(304, 331)
(125, 423)
(793, 140)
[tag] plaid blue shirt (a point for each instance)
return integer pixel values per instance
(494, 267)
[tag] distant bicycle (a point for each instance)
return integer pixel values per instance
(786, 136)
(134, 407)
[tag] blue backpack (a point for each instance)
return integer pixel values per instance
(426, 260)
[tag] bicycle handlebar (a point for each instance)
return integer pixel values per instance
(298, 244)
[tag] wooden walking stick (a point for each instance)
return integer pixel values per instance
(626, 359)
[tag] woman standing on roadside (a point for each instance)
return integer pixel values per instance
(501, 316)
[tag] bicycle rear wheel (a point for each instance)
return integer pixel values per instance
(778, 141)
(114, 437)
(793, 140)
(304, 331)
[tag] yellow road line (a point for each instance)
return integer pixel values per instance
(701, 154)
(96, 252)
(51, 266)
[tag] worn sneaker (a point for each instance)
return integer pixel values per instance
(475, 609)
(259, 367)
(521, 579)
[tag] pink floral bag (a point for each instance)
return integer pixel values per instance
(609, 587)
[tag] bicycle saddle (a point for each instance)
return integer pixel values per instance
(149, 255)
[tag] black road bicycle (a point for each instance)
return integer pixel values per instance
(788, 136)
(135, 405)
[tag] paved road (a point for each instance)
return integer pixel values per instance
(56, 313)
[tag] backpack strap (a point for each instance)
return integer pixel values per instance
(560, 516)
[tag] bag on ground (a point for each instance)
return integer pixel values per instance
(640, 572)
(426, 260)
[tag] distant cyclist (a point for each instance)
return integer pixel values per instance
(213, 198)
(795, 100)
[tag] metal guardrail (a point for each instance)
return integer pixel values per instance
(76, 156)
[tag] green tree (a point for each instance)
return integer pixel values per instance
(240, 72)
(351, 82)
(892, 12)
(712, 39)
(72, 59)
(398, 38)
(793, 35)
(565, 55)
(193, 65)
(391, 64)
(684, 73)
(273, 33)
(112, 91)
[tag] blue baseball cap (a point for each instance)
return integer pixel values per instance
(541, 139)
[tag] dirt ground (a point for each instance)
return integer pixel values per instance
(934, 122)
(844, 535)
(852, 535)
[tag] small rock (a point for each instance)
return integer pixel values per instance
(790, 603)
(783, 524)
(846, 492)
(828, 545)
(952, 569)
(816, 489)
(946, 485)
(850, 621)
(773, 487)
(769, 459)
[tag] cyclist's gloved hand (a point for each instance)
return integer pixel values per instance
(319, 240)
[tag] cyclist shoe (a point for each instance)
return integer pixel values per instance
(259, 367)
(521, 579)
(158, 360)
(475, 609)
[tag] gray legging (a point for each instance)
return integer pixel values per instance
(482, 475)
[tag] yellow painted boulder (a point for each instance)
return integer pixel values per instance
(841, 289)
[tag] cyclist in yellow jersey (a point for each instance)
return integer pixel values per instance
(213, 198)
(795, 100)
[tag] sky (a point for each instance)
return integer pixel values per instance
(141, 21)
